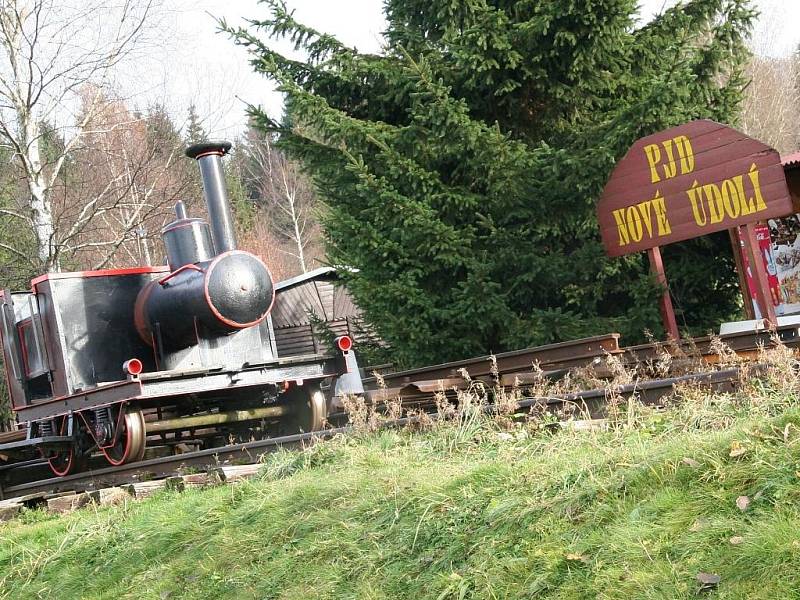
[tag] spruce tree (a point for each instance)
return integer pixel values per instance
(195, 133)
(462, 164)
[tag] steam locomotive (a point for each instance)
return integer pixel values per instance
(109, 362)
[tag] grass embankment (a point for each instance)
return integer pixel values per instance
(472, 509)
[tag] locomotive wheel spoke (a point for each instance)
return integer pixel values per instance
(130, 444)
(142, 437)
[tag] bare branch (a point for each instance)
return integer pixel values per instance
(49, 58)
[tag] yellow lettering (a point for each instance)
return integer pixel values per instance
(634, 223)
(686, 154)
(653, 153)
(747, 203)
(645, 207)
(670, 169)
(622, 228)
(696, 198)
(730, 199)
(661, 215)
(760, 205)
(714, 200)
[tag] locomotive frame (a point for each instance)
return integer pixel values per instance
(102, 361)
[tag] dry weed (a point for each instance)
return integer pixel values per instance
(507, 400)
(726, 356)
(360, 414)
(620, 374)
(698, 407)
(775, 379)
(394, 408)
(420, 419)
(444, 408)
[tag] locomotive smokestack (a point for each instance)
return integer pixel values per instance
(209, 157)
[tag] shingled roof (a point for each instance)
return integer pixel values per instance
(791, 161)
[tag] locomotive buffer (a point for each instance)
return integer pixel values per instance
(105, 361)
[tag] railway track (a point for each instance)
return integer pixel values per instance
(646, 361)
(418, 387)
(207, 466)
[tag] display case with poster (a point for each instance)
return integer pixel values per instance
(785, 245)
(765, 249)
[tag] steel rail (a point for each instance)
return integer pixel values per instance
(563, 354)
(557, 359)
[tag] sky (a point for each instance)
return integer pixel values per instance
(199, 65)
(196, 64)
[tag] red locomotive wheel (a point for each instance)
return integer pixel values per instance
(63, 463)
(130, 444)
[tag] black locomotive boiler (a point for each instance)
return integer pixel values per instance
(113, 361)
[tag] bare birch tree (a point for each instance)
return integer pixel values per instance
(131, 168)
(50, 51)
(287, 198)
(772, 101)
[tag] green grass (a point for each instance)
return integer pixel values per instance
(463, 510)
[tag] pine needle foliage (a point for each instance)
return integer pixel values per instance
(463, 162)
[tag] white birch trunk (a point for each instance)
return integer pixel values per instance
(41, 212)
(46, 59)
(295, 218)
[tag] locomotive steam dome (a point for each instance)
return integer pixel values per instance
(187, 240)
(206, 294)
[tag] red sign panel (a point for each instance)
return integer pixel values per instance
(689, 181)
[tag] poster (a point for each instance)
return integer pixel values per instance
(785, 235)
(766, 247)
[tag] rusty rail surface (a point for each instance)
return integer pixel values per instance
(746, 344)
(555, 360)
(562, 355)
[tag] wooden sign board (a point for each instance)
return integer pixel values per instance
(689, 181)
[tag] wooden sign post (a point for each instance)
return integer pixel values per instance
(665, 304)
(688, 181)
(737, 243)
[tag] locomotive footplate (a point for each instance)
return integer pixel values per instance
(161, 384)
(55, 441)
